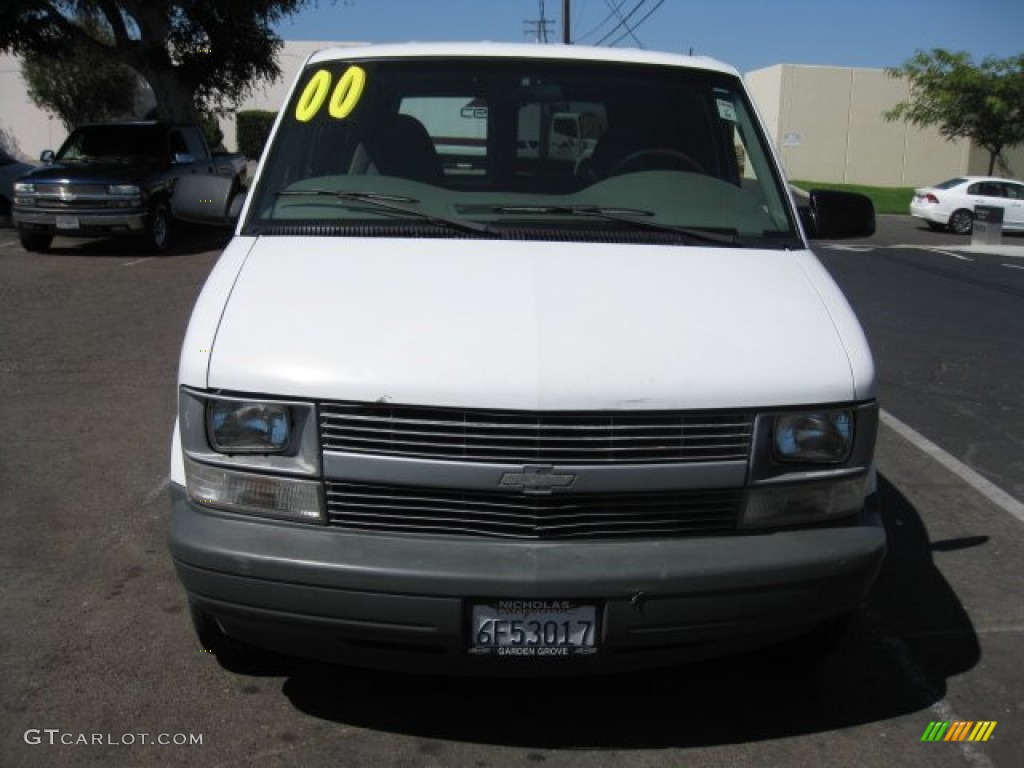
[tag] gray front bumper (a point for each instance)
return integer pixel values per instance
(88, 223)
(402, 601)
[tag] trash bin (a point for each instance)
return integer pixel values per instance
(988, 225)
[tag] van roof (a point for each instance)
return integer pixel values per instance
(519, 51)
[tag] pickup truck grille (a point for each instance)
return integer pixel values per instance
(486, 514)
(65, 197)
(519, 437)
(59, 190)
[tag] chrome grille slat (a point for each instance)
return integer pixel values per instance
(570, 422)
(510, 515)
(528, 437)
(75, 189)
(383, 444)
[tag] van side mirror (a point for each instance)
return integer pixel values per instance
(830, 213)
(207, 199)
(46, 156)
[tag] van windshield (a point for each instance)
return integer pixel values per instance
(521, 148)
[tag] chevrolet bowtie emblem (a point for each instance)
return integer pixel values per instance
(537, 478)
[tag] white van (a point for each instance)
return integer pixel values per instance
(516, 413)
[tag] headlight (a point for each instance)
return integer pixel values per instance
(797, 503)
(259, 457)
(813, 436)
(124, 189)
(283, 497)
(24, 188)
(236, 426)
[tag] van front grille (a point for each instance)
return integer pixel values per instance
(524, 437)
(398, 509)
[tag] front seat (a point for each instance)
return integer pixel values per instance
(405, 149)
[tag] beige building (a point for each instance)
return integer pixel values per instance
(827, 126)
(826, 123)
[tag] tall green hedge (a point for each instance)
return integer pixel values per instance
(211, 131)
(252, 127)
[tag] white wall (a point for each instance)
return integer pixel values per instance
(25, 130)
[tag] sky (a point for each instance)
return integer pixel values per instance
(748, 34)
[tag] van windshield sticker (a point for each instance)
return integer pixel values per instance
(726, 110)
(344, 99)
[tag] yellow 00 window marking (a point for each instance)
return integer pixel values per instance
(347, 92)
(313, 96)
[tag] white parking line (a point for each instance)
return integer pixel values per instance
(157, 490)
(941, 709)
(6, 244)
(989, 490)
(866, 248)
(137, 261)
(949, 253)
(1014, 266)
(853, 248)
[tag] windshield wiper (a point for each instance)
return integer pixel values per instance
(620, 216)
(392, 203)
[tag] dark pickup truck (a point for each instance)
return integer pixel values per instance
(111, 179)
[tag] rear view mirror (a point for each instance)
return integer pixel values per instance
(833, 214)
(206, 199)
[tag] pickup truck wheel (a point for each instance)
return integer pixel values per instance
(158, 228)
(35, 242)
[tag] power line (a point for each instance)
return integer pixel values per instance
(624, 23)
(646, 16)
(611, 14)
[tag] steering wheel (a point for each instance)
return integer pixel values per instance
(656, 159)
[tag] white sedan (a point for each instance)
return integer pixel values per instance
(951, 204)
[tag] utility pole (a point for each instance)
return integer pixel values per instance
(540, 26)
(566, 37)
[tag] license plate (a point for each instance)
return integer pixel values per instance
(67, 222)
(533, 628)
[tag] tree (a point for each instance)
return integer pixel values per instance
(78, 84)
(195, 54)
(981, 102)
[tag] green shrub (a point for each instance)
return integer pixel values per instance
(252, 127)
(211, 131)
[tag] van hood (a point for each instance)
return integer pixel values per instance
(536, 326)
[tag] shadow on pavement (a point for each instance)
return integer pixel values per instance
(186, 239)
(912, 635)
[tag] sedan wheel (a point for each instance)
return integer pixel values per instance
(961, 222)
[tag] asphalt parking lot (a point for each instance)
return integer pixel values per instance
(100, 666)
